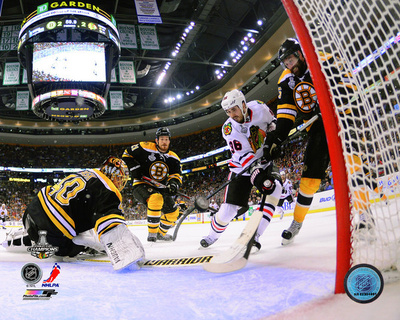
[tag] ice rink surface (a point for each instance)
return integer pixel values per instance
(292, 282)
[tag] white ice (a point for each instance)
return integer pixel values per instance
(292, 282)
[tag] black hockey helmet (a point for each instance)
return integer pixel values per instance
(163, 132)
(290, 46)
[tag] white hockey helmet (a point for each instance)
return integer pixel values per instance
(283, 175)
(234, 98)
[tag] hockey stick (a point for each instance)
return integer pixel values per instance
(163, 186)
(168, 262)
(236, 257)
(202, 206)
(295, 132)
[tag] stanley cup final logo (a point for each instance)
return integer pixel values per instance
(42, 249)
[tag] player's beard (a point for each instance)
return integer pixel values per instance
(163, 147)
(299, 68)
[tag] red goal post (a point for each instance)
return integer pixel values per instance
(318, 25)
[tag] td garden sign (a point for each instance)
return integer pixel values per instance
(69, 4)
(49, 6)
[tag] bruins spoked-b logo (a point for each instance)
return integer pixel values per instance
(305, 97)
(42, 250)
(363, 283)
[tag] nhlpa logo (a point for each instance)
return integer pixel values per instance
(53, 275)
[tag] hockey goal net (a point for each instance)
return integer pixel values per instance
(363, 126)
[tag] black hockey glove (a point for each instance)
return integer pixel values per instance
(263, 179)
(173, 187)
(136, 172)
(135, 169)
(272, 147)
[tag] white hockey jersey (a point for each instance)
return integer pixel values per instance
(246, 140)
(287, 188)
(3, 211)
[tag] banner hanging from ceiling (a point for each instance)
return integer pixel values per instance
(22, 100)
(127, 36)
(116, 100)
(148, 38)
(126, 72)
(11, 73)
(147, 11)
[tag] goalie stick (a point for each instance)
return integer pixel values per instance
(168, 262)
(235, 258)
(292, 134)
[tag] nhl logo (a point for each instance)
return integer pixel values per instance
(31, 273)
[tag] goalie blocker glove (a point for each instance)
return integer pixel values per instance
(173, 187)
(264, 178)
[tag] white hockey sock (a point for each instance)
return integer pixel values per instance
(268, 213)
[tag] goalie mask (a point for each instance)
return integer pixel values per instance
(234, 98)
(117, 171)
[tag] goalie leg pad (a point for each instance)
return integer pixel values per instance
(122, 247)
(88, 239)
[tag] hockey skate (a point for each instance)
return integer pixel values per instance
(256, 247)
(207, 241)
(289, 234)
(152, 237)
(280, 212)
(122, 247)
(166, 237)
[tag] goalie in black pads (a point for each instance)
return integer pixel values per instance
(245, 132)
(71, 209)
(155, 161)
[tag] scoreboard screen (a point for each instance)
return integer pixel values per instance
(68, 61)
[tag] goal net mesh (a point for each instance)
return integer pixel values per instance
(362, 37)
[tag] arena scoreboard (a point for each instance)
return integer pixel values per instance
(69, 49)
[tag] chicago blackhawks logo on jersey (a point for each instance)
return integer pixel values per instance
(256, 138)
(158, 170)
(305, 97)
(227, 129)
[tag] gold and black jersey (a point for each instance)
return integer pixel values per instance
(82, 201)
(158, 166)
(297, 96)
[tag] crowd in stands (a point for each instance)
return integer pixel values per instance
(16, 195)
